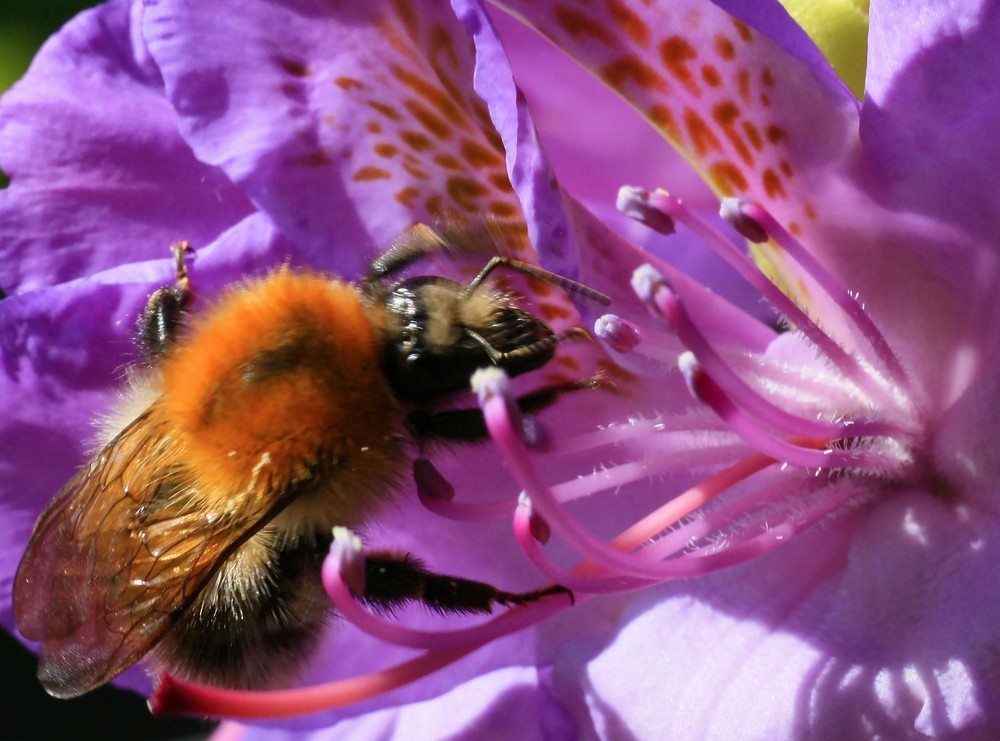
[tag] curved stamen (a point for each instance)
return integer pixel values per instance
(345, 553)
(737, 550)
(437, 494)
(847, 302)
(620, 334)
(639, 352)
(579, 584)
(495, 396)
(672, 310)
(634, 203)
(809, 453)
(174, 696)
(749, 271)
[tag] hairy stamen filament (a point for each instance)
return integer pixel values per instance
(748, 270)
(496, 399)
(669, 306)
(847, 302)
(818, 454)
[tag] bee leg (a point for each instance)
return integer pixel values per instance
(414, 244)
(392, 579)
(165, 308)
(533, 271)
(468, 425)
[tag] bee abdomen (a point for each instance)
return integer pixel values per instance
(256, 622)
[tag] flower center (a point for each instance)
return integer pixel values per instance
(790, 428)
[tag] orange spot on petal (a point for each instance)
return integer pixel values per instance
(386, 110)
(743, 84)
(416, 141)
(479, 155)
(703, 139)
(434, 205)
(725, 114)
(465, 192)
(294, 67)
(753, 134)
(676, 52)
(436, 125)
(631, 69)
(775, 134)
(371, 173)
(552, 312)
(433, 95)
(663, 119)
(448, 161)
(501, 182)
(503, 209)
(727, 178)
(772, 184)
(418, 172)
(349, 83)
(407, 196)
(725, 47)
(629, 21)
(568, 362)
(743, 30)
(579, 24)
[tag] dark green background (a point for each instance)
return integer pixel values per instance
(26, 712)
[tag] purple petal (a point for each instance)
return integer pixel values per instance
(93, 185)
(929, 119)
(344, 123)
(511, 703)
(894, 642)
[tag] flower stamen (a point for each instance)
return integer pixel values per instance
(769, 227)
(437, 495)
(345, 553)
(850, 366)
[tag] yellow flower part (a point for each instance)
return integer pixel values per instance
(840, 29)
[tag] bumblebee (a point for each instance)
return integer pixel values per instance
(194, 537)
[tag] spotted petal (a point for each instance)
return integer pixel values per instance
(345, 122)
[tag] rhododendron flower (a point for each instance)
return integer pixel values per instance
(830, 487)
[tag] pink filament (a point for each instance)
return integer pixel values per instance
(510, 621)
(833, 287)
(673, 311)
(436, 494)
(739, 261)
(173, 696)
(495, 399)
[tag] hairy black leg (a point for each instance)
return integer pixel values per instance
(468, 425)
(164, 313)
(392, 579)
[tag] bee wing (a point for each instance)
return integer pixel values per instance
(119, 553)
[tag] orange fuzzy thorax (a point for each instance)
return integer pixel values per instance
(280, 376)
